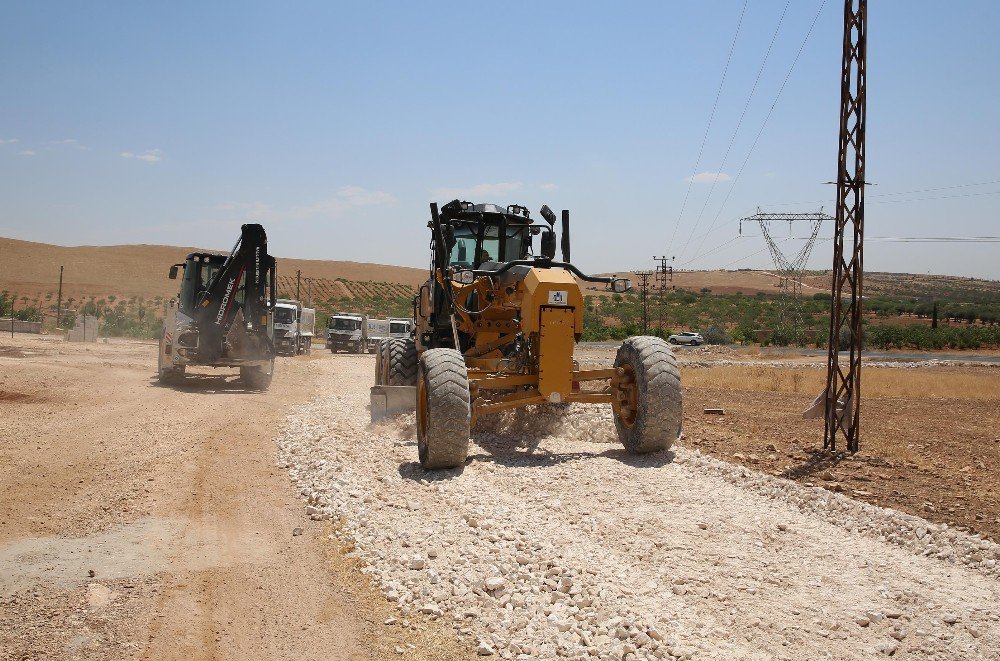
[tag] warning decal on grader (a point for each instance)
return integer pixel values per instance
(558, 297)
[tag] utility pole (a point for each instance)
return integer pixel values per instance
(663, 274)
(644, 297)
(59, 300)
(298, 282)
(13, 298)
(843, 382)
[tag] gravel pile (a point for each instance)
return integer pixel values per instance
(553, 542)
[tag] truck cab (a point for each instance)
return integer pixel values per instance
(287, 316)
(346, 332)
(399, 327)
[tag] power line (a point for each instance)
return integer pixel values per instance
(908, 192)
(711, 118)
(767, 117)
(753, 254)
(709, 252)
(903, 239)
(936, 239)
(869, 201)
(884, 239)
(739, 123)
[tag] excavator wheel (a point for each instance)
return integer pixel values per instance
(257, 378)
(443, 409)
(648, 406)
(401, 359)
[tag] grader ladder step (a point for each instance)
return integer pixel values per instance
(390, 401)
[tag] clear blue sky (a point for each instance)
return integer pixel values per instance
(335, 124)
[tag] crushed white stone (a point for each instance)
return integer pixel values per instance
(554, 542)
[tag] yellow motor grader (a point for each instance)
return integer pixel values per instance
(495, 327)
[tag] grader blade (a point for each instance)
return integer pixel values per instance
(390, 401)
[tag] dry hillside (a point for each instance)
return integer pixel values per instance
(30, 268)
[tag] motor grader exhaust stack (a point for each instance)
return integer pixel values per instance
(495, 327)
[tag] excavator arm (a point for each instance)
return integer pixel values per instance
(245, 283)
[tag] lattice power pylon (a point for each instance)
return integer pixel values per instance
(790, 268)
(843, 382)
(664, 275)
(643, 277)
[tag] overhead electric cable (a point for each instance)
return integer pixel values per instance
(908, 192)
(739, 123)
(711, 117)
(899, 239)
(767, 117)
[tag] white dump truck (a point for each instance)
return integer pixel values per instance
(346, 332)
(399, 327)
(358, 333)
(294, 327)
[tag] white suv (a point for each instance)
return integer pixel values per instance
(694, 339)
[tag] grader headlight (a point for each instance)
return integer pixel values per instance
(465, 277)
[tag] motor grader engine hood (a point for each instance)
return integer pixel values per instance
(541, 288)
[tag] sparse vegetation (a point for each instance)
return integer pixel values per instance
(890, 322)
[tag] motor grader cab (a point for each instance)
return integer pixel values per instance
(495, 327)
(223, 315)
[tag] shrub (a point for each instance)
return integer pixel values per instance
(716, 335)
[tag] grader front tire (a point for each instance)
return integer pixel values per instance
(648, 413)
(443, 409)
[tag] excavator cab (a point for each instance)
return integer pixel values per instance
(224, 312)
(199, 271)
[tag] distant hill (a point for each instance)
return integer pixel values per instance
(32, 269)
(140, 271)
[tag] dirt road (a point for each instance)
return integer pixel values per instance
(144, 522)
(551, 541)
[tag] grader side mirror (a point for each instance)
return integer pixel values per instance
(173, 272)
(548, 215)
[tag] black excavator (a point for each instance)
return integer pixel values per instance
(223, 314)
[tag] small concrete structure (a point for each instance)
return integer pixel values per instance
(85, 329)
(21, 326)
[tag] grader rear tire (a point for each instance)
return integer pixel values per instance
(443, 409)
(649, 415)
(401, 369)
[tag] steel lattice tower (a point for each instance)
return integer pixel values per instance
(843, 381)
(664, 274)
(789, 269)
(643, 277)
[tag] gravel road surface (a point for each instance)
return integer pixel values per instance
(552, 541)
